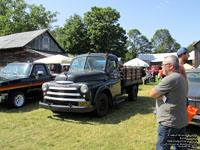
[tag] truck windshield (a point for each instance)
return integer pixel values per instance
(16, 69)
(88, 63)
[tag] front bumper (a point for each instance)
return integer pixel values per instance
(63, 108)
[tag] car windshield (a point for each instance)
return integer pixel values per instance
(88, 63)
(193, 77)
(194, 84)
(16, 69)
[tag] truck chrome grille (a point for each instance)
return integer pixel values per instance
(63, 94)
(64, 82)
(63, 88)
(64, 99)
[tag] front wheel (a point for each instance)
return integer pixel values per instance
(133, 93)
(102, 105)
(16, 99)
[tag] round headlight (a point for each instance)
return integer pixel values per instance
(45, 87)
(84, 88)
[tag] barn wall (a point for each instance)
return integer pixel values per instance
(38, 44)
(17, 55)
(30, 51)
(197, 54)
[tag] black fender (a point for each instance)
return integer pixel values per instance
(100, 90)
(23, 90)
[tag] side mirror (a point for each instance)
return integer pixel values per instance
(40, 73)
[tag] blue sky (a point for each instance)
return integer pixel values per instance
(180, 17)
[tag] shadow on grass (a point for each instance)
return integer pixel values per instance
(193, 130)
(116, 114)
(31, 104)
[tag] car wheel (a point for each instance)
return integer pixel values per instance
(133, 93)
(16, 99)
(102, 105)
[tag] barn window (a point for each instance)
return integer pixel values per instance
(45, 43)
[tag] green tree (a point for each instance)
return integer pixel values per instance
(39, 18)
(59, 34)
(104, 31)
(137, 44)
(18, 16)
(72, 36)
(163, 42)
(191, 47)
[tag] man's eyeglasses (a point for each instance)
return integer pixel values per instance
(165, 64)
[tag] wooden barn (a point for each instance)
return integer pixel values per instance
(197, 53)
(28, 46)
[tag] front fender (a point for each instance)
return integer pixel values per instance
(100, 90)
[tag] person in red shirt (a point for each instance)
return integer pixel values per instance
(183, 56)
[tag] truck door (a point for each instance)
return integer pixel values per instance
(39, 75)
(113, 77)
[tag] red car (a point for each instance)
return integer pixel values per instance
(154, 67)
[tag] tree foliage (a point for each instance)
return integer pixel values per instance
(191, 47)
(97, 32)
(17, 16)
(73, 36)
(103, 31)
(162, 42)
(137, 44)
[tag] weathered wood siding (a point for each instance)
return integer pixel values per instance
(38, 44)
(17, 55)
(22, 55)
(197, 54)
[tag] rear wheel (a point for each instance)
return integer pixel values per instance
(133, 93)
(102, 105)
(16, 99)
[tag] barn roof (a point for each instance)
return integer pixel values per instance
(19, 40)
(159, 57)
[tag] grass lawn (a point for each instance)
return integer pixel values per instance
(128, 126)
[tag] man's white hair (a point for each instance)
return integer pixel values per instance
(172, 59)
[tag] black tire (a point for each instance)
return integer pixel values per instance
(102, 105)
(16, 100)
(133, 93)
(55, 112)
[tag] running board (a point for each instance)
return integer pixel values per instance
(118, 101)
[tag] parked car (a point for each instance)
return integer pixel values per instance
(193, 76)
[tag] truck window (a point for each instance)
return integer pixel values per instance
(95, 63)
(88, 63)
(78, 64)
(16, 69)
(39, 68)
(111, 65)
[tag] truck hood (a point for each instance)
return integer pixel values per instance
(6, 78)
(82, 76)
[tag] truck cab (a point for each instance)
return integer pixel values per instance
(93, 83)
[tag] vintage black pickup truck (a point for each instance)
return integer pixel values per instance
(94, 82)
(19, 81)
